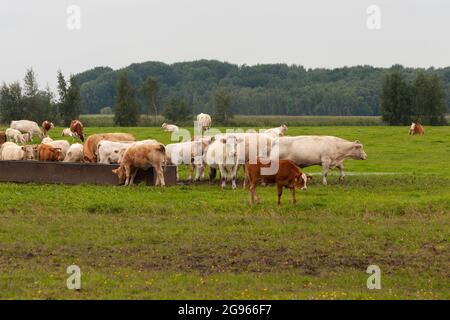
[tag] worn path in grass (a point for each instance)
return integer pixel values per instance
(199, 241)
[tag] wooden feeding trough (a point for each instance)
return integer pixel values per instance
(74, 173)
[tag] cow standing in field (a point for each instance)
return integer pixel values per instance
(204, 121)
(47, 126)
(288, 175)
(76, 127)
(416, 128)
(11, 151)
(91, 144)
(27, 126)
(49, 153)
(326, 151)
(141, 156)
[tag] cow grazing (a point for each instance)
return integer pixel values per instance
(416, 128)
(27, 126)
(60, 144)
(11, 151)
(141, 156)
(67, 133)
(222, 154)
(204, 121)
(288, 175)
(75, 153)
(47, 126)
(326, 151)
(90, 146)
(76, 127)
(17, 136)
(277, 132)
(48, 153)
(2, 137)
(169, 127)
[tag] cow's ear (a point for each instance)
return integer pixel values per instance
(24, 149)
(308, 177)
(116, 151)
(213, 139)
(357, 141)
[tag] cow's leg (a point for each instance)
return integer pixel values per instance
(294, 201)
(233, 176)
(212, 175)
(340, 166)
(178, 177)
(160, 177)
(133, 175)
(325, 170)
(127, 174)
(280, 192)
(223, 175)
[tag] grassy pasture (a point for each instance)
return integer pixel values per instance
(199, 241)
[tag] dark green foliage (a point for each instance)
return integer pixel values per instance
(256, 90)
(69, 104)
(176, 111)
(126, 107)
(396, 102)
(150, 90)
(222, 103)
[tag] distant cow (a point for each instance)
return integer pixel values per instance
(11, 151)
(77, 129)
(288, 175)
(90, 146)
(27, 126)
(48, 153)
(47, 126)
(67, 133)
(141, 156)
(277, 132)
(325, 151)
(204, 121)
(17, 136)
(416, 128)
(169, 127)
(75, 153)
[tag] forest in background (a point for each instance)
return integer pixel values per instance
(266, 89)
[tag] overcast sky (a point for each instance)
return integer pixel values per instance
(313, 33)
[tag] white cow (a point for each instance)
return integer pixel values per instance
(108, 151)
(222, 154)
(17, 136)
(75, 153)
(325, 151)
(11, 151)
(27, 126)
(46, 140)
(204, 121)
(189, 153)
(277, 132)
(62, 144)
(68, 133)
(170, 127)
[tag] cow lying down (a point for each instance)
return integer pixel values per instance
(288, 175)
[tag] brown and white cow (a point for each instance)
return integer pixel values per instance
(288, 175)
(141, 156)
(416, 128)
(47, 126)
(49, 153)
(77, 129)
(91, 144)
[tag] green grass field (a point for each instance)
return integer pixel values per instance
(199, 241)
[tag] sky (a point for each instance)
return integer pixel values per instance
(314, 33)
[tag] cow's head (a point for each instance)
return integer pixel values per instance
(412, 128)
(284, 128)
(57, 154)
(301, 180)
(30, 152)
(357, 151)
(230, 144)
(164, 125)
(120, 172)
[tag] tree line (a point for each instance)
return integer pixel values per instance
(28, 101)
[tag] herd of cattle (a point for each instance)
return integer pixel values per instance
(254, 151)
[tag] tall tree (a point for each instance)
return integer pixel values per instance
(69, 102)
(11, 102)
(222, 103)
(429, 100)
(396, 99)
(176, 111)
(149, 90)
(127, 107)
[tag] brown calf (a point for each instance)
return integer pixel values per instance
(77, 129)
(288, 175)
(48, 153)
(2, 138)
(46, 126)
(141, 156)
